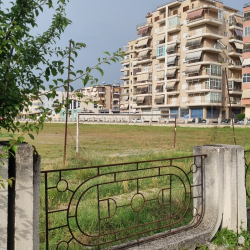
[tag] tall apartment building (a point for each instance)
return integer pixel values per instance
(96, 99)
(246, 60)
(178, 60)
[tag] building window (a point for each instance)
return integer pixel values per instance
(246, 78)
(131, 56)
(220, 14)
(161, 51)
(186, 8)
(79, 104)
(74, 104)
(174, 21)
(246, 31)
(131, 47)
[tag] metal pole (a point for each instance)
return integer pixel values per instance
(77, 135)
(230, 107)
(175, 132)
(66, 122)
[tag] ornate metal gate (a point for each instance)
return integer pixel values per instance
(102, 206)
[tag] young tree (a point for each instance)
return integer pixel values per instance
(26, 63)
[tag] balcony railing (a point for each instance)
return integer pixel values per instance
(142, 24)
(175, 103)
(206, 17)
(240, 38)
(169, 2)
(202, 101)
(204, 31)
(239, 51)
(235, 89)
(240, 25)
(142, 92)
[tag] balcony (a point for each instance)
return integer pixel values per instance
(144, 101)
(203, 102)
(235, 91)
(125, 76)
(172, 103)
(174, 40)
(205, 32)
(174, 91)
(236, 66)
(214, 49)
(235, 25)
(202, 88)
(235, 52)
(235, 103)
(144, 24)
(123, 69)
(174, 28)
(161, 18)
(171, 3)
(205, 19)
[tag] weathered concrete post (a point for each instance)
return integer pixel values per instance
(20, 231)
(224, 173)
(196, 120)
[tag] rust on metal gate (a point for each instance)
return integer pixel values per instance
(129, 202)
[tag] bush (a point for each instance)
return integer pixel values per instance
(240, 116)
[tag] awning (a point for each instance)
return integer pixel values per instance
(142, 87)
(170, 85)
(140, 99)
(134, 98)
(159, 86)
(160, 37)
(143, 54)
(171, 60)
(241, 60)
(239, 32)
(171, 48)
(171, 72)
(159, 98)
(142, 42)
(246, 94)
(246, 62)
(194, 42)
(194, 56)
(238, 19)
(142, 31)
(124, 106)
(160, 74)
(195, 14)
(142, 77)
(246, 46)
(125, 98)
(116, 90)
(238, 45)
(193, 70)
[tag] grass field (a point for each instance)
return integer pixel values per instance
(113, 144)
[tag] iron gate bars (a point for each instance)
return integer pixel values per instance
(108, 205)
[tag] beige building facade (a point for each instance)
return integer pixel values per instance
(180, 61)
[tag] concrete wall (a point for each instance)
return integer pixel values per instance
(20, 204)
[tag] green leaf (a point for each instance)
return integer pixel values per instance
(107, 53)
(54, 71)
(14, 148)
(20, 139)
(100, 70)
(31, 136)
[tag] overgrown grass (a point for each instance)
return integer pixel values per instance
(113, 144)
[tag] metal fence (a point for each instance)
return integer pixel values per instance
(102, 206)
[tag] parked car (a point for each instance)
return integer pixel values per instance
(226, 121)
(200, 120)
(242, 121)
(136, 120)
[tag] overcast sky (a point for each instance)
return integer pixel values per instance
(105, 25)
